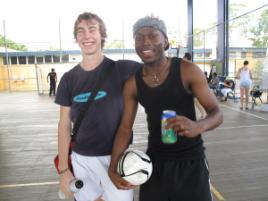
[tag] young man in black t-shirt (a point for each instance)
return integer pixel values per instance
(92, 148)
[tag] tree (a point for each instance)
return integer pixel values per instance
(11, 44)
(260, 31)
(172, 42)
(198, 38)
(238, 22)
(258, 70)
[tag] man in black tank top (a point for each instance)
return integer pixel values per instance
(180, 171)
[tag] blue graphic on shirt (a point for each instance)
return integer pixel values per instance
(82, 98)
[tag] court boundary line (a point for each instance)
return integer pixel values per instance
(213, 189)
(29, 184)
(244, 112)
(217, 194)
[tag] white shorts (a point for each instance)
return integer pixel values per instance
(93, 171)
(245, 84)
(225, 91)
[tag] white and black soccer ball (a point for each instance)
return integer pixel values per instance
(135, 167)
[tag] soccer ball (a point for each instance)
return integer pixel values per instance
(135, 167)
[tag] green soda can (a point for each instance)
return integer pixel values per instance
(168, 135)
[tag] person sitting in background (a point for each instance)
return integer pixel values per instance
(188, 57)
(214, 82)
(225, 88)
(206, 74)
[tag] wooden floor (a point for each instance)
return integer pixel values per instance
(237, 151)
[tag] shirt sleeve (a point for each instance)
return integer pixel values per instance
(127, 68)
(63, 96)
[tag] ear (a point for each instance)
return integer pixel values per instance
(166, 44)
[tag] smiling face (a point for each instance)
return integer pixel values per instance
(88, 36)
(150, 44)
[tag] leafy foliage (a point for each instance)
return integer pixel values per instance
(260, 31)
(198, 37)
(115, 44)
(11, 44)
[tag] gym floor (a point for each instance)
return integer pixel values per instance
(237, 151)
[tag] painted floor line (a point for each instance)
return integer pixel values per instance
(213, 189)
(238, 110)
(29, 184)
(245, 126)
(217, 193)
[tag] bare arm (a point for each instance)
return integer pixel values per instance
(124, 131)
(194, 80)
(237, 76)
(64, 129)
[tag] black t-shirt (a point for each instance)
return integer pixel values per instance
(98, 128)
(170, 95)
(52, 77)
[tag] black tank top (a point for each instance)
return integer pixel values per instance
(170, 95)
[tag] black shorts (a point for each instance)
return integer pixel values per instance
(177, 180)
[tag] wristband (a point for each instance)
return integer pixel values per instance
(63, 171)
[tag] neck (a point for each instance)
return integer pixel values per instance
(90, 62)
(156, 67)
(155, 74)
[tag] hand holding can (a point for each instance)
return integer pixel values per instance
(168, 135)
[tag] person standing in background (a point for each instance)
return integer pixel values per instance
(245, 76)
(188, 57)
(52, 79)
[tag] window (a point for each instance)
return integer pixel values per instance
(56, 59)
(4, 60)
(40, 60)
(31, 60)
(48, 59)
(232, 54)
(13, 60)
(243, 55)
(22, 59)
(238, 54)
(258, 54)
(207, 54)
(198, 55)
(65, 58)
